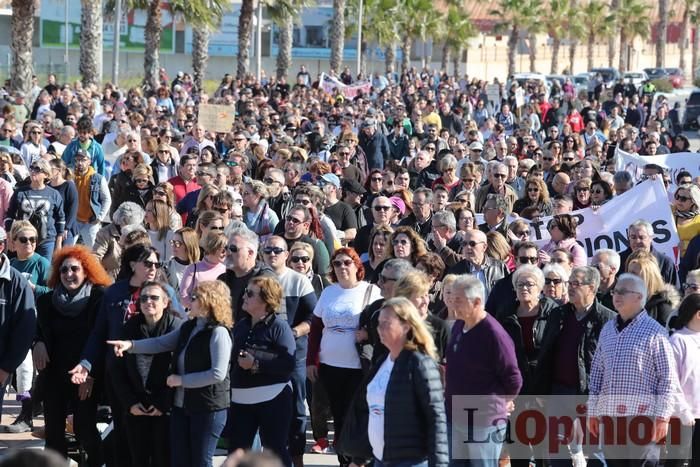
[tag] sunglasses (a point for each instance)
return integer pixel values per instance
(597, 192)
(199, 173)
(383, 278)
(35, 169)
(499, 175)
(522, 233)
(382, 208)
(234, 248)
(297, 259)
(338, 263)
(472, 243)
(152, 264)
(270, 250)
(249, 293)
(401, 241)
(293, 220)
(376, 179)
(533, 190)
(150, 298)
(527, 259)
(549, 281)
(159, 193)
(218, 227)
(26, 239)
(176, 243)
(65, 269)
(682, 198)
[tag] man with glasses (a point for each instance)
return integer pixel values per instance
(497, 185)
(445, 241)
(381, 216)
(633, 374)
(7, 134)
(94, 199)
(495, 215)
(640, 235)
(86, 142)
(349, 171)
(476, 263)
(197, 140)
(340, 213)
(516, 183)
(607, 262)
(296, 229)
(297, 307)
(422, 213)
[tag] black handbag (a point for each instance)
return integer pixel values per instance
(354, 440)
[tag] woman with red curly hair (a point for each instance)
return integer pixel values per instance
(332, 354)
(64, 320)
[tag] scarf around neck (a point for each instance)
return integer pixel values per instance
(71, 305)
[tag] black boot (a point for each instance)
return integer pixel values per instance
(23, 423)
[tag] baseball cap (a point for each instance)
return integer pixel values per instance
(353, 186)
(476, 146)
(332, 179)
(82, 153)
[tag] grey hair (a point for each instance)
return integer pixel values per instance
(128, 213)
(248, 236)
(623, 176)
(471, 287)
(531, 271)
(446, 218)
(642, 224)
(427, 192)
(694, 274)
(448, 161)
(529, 163)
(591, 276)
(637, 283)
(556, 269)
(399, 266)
(613, 260)
(510, 159)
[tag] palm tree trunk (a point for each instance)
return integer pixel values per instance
(662, 33)
(623, 51)
(284, 54)
(406, 54)
(512, 48)
(338, 35)
(589, 51)
(22, 25)
(91, 42)
(533, 57)
(445, 60)
(364, 59)
(151, 61)
(572, 56)
(456, 58)
(200, 56)
(390, 58)
(614, 6)
(695, 52)
(683, 40)
(556, 45)
(245, 30)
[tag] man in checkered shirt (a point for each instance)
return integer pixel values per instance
(633, 374)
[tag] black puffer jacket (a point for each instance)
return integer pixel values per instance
(509, 320)
(415, 424)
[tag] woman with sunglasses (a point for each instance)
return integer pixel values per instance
(208, 269)
(41, 205)
(140, 380)
(686, 207)
(140, 264)
(301, 256)
(204, 203)
(562, 232)
(185, 248)
(406, 244)
(556, 280)
(536, 194)
(64, 320)
(601, 193)
(199, 374)
(120, 182)
(140, 190)
(333, 355)
(33, 149)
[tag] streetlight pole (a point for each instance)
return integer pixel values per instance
(66, 58)
(117, 40)
(258, 41)
(359, 40)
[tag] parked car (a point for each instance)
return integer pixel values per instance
(581, 81)
(610, 75)
(692, 111)
(676, 76)
(529, 81)
(638, 78)
(656, 73)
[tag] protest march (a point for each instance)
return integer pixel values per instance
(399, 270)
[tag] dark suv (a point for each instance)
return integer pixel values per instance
(692, 111)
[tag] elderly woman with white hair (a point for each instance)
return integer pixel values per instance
(107, 247)
(526, 319)
(556, 279)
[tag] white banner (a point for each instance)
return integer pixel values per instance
(606, 226)
(328, 83)
(675, 163)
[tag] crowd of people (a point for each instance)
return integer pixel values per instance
(364, 259)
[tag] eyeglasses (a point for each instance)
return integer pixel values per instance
(345, 262)
(270, 180)
(549, 281)
(65, 269)
(176, 243)
(159, 193)
(527, 259)
(216, 227)
(400, 241)
(141, 180)
(467, 180)
(472, 243)
(533, 190)
(521, 233)
(597, 192)
(376, 179)
(151, 298)
(526, 285)
(548, 159)
(201, 173)
(575, 284)
(293, 220)
(273, 250)
(499, 175)
(382, 208)
(582, 190)
(152, 264)
(234, 248)
(302, 259)
(383, 278)
(35, 169)
(332, 161)
(682, 199)
(232, 163)
(623, 292)
(26, 239)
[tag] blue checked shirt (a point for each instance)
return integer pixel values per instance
(633, 371)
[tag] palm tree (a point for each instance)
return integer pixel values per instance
(573, 32)
(22, 26)
(689, 11)
(615, 9)
(337, 35)
(596, 22)
(555, 22)
(518, 16)
(458, 29)
(91, 42)
(695, 19)
(378, 27)
(245, 30)
(418, 20)
(284, 13)
(633, 20)
(662, 33)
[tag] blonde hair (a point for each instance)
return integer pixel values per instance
(257, 187)
(270, 292)
(191, 242)
(649, 271)
(497, 246)
(144, 170)
(412, 284)
(215, 297)
(206, 191)
(20, 226)
(418, 337)
(213, 242)
(308, 249)
(161, 213)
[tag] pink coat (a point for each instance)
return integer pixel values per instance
(570, 244)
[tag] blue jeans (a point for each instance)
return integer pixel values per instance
(193, 436)
(413, 463)
(45, 248)
(297, 430)
(87, 232)
(484, 451)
